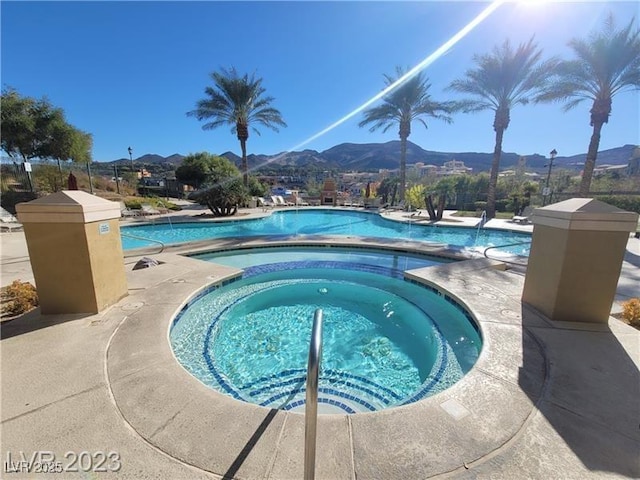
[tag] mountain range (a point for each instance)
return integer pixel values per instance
(374, 156)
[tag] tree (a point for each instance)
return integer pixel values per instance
(255, 188)
(313, 187)
(81, 147)
(196, 168)
(462, 186)
(17, 124)
(223, 188)
(415, 196)
(29, 126)
(386, 188)
(445, 188)
(605, 64)
(36, 129)
(238, 101)
(501, 80)
(528, 189)
(407, 102)
(81, 152)
(60, 139)
(223, 197)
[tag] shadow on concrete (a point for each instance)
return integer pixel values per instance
(34, 320)
(251, 443)
(632, 258)
(590, 397)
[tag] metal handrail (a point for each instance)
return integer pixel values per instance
(507, 245)
(311, 405)
(136, 237)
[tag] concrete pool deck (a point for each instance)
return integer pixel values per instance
(543, 401)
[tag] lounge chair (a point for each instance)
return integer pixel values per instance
(278, 201)
(128, 212)
(265, 204)
(399, 207)
(525, 217)
(282, 202)
(9, 221)
(149, 210)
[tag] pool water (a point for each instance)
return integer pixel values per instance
(264, 259)
(324, 222)
(386, 341)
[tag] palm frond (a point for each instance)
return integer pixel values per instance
(605, 63)
(234, 99)
(504, 78)
(410, 100)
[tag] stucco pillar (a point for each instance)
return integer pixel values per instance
(577, 250)
(75, 251)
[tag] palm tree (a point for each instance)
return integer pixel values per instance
(501, 80)
(238, 101)
(607, 63)
(408, 102)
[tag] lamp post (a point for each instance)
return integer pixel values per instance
(546, 192)
(131, 157)
(115, 171)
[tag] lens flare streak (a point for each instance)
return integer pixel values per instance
(439, 52)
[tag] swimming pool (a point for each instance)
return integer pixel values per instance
(264, 259)
(387, 341)
(314, 222)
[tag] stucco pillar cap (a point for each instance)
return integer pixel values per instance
(68, 206)
(585, 214)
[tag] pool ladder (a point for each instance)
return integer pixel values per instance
(136, 237)
(510, 262)
(311, 403)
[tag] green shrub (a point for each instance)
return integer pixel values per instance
(168, 205)
(501, 205)
(630, 203)
(135, 203)
(19, 297)
(480, 205)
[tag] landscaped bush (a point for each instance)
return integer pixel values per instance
(630, 203)
(631, 312)
(479, 206)
(135, 203)
(19, 297)
(169, 205)
(501, 205)
(11, 198)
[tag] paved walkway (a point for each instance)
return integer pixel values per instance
(543, 401)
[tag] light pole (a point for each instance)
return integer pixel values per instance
(130, 157)
(546, 192)
(115, 171)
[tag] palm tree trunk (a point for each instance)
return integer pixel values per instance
(590, 162)
(430, 209)
(493, 177)
(245, 165)
(442, 200)
(403, 167)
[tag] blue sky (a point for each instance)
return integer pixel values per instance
(128, 72)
